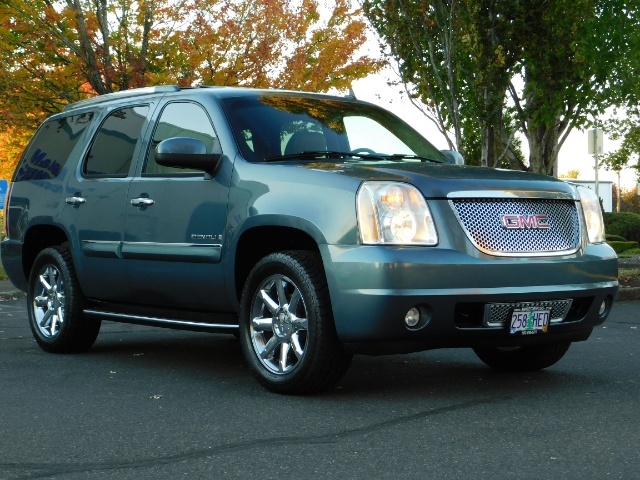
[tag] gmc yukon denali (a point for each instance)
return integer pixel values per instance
(310, 226)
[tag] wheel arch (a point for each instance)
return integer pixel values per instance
(36, 239)
(259, 241)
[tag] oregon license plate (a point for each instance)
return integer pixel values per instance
(529, 321)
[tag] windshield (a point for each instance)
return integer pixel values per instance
(283, 125)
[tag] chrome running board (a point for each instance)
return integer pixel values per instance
(163, 322)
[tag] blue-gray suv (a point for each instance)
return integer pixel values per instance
(310, 226)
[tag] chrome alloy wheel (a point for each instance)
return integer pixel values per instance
(48, 301)
(279, 324)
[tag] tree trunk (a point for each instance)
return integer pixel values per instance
(487, 158)
(507, 150)
(91, 70)
(543, 149)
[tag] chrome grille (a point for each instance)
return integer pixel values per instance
(497, 314)
(481, 220)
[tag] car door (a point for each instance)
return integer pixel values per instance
(95, 200)
(175, 221)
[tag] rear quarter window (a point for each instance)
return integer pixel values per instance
(50, 147)
(115, 143)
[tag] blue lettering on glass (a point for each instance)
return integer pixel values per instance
(39, 167)
(37, 157)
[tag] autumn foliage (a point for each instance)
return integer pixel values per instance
(53, 52)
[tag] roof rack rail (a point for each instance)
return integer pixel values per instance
(122, 94)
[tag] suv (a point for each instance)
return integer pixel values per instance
(310, 226)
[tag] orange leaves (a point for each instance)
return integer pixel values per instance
(53, 52)
(118, 45)
(275, 43)
(12, 141)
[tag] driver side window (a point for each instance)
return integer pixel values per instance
(181, 119)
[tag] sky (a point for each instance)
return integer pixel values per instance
(573, 155)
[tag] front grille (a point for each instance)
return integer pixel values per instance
(498, 314)
(482, 222)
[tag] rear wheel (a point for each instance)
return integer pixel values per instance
(522, 359)
(286, 325)
(55, 303)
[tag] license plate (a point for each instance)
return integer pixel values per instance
(529, 321)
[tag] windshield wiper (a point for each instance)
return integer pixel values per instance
(414, 157)
(325, 154)
(341, 155)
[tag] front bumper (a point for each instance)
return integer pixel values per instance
(373, 287)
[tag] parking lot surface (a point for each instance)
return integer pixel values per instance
(149, 403)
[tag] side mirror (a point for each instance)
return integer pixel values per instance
(453, 156)
(183, 152)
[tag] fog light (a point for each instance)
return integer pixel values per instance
(603, 307)
(412, 318)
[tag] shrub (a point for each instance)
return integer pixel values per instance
(615, 238)
(620, 247)
(623, 224)
(632, 251)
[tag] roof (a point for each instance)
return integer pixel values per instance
(221, 91)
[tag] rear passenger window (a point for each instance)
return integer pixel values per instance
(51, 147)
(115, 143)
(181, 119)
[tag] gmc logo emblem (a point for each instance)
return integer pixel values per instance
(525, 222)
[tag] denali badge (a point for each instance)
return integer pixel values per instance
(525, 222)
(199, 236)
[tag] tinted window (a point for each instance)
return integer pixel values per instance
(115, 143)
(50, 148)
(181, 119)
(367, 133)
(274, 125)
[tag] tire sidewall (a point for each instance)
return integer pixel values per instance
(272, 265)
(52, 256)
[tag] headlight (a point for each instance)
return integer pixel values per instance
(592, 214)
(394, 213)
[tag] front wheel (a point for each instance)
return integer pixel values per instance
(522, 359)
(286, 325)
(55, 302)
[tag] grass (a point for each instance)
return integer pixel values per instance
(632, 272)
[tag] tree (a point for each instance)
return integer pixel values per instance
(573, 174)
(454, 56)
(626, 129)
(572, 58)
(576, 62)
(630, 201)
(616, 161)
(53, 52)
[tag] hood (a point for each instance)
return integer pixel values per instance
(439, 180)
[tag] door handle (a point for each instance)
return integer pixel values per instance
(142, 202)
(75, 201)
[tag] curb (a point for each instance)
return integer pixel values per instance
(14, 295)
(628, 293)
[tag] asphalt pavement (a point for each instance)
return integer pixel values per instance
(8, 291)
(147, 403)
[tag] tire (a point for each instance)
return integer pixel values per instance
(287, 331)
(55, 304)
(522, 359)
